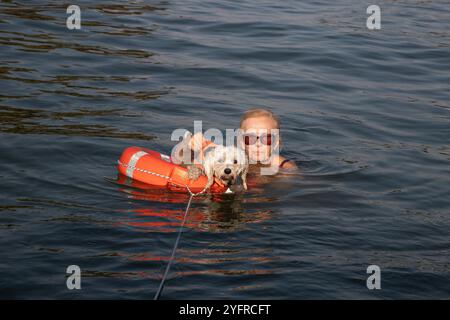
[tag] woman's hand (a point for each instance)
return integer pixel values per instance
(197, 142)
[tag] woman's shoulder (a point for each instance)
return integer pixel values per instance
(286, 163)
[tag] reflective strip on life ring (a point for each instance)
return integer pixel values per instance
(132, 164)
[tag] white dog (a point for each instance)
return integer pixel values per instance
(225, 163)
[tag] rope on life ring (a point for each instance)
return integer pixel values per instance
(162, 176)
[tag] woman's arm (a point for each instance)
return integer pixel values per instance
(286, 164)
(193, 145)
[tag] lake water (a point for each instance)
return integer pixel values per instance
(365, 114)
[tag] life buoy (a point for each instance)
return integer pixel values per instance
(156, 169)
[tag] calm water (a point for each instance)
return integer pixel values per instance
(366, 115)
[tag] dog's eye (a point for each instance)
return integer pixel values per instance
(235, 161)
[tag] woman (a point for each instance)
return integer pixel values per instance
(260, 129)
(260, 137)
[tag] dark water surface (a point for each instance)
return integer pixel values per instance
(366, 114)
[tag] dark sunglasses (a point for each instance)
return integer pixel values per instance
(265, 139)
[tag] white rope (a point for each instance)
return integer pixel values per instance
(172, 256)
(143, 170)
(163, 176)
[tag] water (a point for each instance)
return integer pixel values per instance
(365, 114)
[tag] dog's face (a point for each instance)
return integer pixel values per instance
(226, 164)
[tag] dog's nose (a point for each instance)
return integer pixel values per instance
(227, 170)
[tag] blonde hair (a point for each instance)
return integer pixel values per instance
(259, 112)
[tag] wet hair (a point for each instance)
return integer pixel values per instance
(259, 112)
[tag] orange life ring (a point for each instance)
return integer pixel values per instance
(156, 169)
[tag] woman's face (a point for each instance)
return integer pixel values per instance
(259, 150)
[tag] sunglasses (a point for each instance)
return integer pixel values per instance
(265, 139)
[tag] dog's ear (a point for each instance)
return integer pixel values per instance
(242, 159)
(208, 168)
(244, 176)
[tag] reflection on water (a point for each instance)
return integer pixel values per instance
(216, 213)
(57, 92)
(128, 9)
(26, 121)
(209, 213)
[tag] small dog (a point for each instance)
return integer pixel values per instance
(225, 163)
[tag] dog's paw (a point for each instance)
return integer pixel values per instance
(194, 172)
